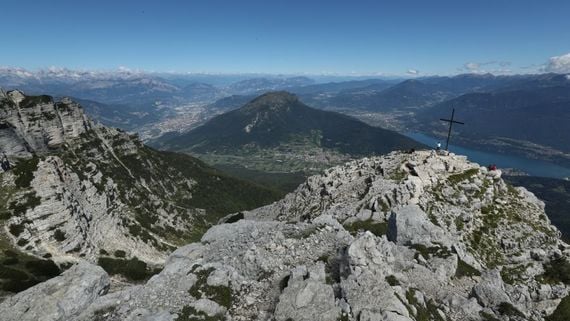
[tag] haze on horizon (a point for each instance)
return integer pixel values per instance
(294, 37)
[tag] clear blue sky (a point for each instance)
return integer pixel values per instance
(284, 36)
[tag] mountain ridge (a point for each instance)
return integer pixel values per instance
(497, 117)
(80, 190)
(275, 118)
(402, 237)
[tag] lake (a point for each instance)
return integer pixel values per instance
(531, 166)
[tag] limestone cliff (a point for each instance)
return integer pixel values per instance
(401, 237)
(78, 190)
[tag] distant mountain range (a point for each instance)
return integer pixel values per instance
(278, 124)
(257, 85)
(528, 117)
(425, 92)
(409, 93)
(494, 107)
(128, 87)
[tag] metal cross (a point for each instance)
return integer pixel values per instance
(451, 122)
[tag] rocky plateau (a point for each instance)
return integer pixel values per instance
(406, 236)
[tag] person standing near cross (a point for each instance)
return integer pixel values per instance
(451, 122)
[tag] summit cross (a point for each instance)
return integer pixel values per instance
(451, 122)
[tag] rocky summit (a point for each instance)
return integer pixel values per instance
(79, 191)
(402, 237)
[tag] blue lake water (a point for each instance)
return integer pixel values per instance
(531, 166)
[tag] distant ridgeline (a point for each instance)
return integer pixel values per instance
(527, 118)
(276, 132)
(77, 189)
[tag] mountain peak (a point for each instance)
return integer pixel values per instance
(67, 172)
(273, 101)
(407, 237)
(38, 124)
(278, 123)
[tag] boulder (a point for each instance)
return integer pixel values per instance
(308, 298)
(490, 292)
(59, 299)
(410, 225)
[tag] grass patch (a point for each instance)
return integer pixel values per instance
(459, 224)
(19, 271)
(120, 253)
(427, 313)
(506, 308)
(31, 101)
(483, 242)
(219, 294)
(398, 175)
(562, 312)
(376, 228)
(513, 275)
(466, 175)
(556, 271)
(45, 268)
(28, 201)
(133, 269)
(188, 313)
(59, 235)
(392, 280)
(427, 252)
(104, 314)
(16, 229)
(24, 171)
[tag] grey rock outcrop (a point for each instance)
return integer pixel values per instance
(59, 299)
(307, 296)
(79, 197)
(38, 124)
(386, 238)
(81, 191)
(410, 225)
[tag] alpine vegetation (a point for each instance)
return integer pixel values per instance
(74, 190)
(406, 236)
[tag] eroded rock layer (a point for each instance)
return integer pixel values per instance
(401, 237)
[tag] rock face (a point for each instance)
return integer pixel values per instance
(80, 190)
(38, 124)
(71, 201)
(402, 237)
(59, 299)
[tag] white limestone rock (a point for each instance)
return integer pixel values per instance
(62, 298)
(302, 259)
(410, 225)
(307, 297)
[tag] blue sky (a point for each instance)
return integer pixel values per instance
(344, 37)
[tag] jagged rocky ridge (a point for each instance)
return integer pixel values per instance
(403, 237)
(81, 191)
